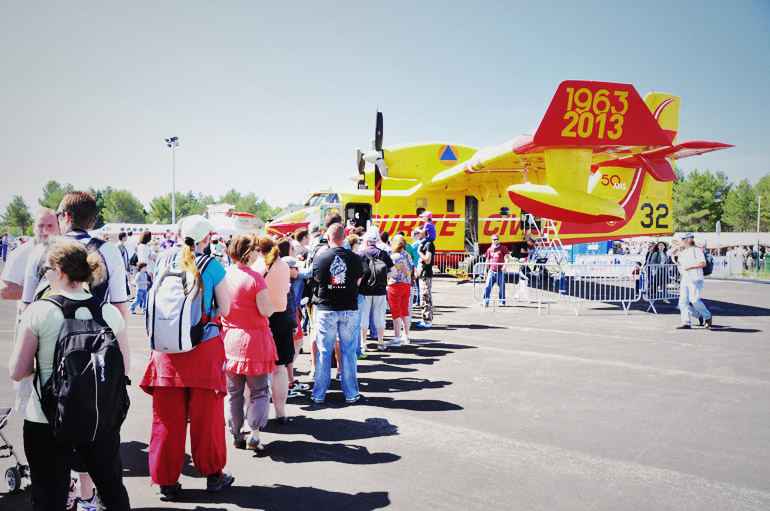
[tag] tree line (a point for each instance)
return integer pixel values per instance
(701, 199)
(121, 206)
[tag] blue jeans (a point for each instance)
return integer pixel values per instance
(4, 250)
(690, 302)
(329, 325)
(141, 300)
(493, 277)
(359, 312)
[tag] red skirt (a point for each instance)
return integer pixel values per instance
(202, 367)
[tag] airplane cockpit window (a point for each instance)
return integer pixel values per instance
(333, 198)
(316, 199)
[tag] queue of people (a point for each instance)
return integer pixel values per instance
(247, 335)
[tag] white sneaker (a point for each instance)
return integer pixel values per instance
(405, 339)
(92, 504)
(393, 342)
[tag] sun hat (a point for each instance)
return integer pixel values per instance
(687, 235)
(196, 227)
(372, 234)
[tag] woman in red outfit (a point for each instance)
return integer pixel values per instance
(400, 289)
(191, 386)
(249, 345)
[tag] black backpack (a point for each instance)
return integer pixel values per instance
(86, 395)
(378, 271)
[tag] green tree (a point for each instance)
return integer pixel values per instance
(53, 192)
(17, 214)
(186, 204)
(698, 200)
(740, 208)
(249, 203)
(121, 206)
(99, 196)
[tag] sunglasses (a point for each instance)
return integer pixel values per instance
(60, 213)
(45, 268)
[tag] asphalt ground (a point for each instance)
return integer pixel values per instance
(508, 409)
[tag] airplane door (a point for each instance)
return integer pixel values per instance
(360, 213)
(471, 224)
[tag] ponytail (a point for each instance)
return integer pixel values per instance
(269, 251)
(187, 260)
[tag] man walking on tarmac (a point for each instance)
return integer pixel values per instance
(691, 263)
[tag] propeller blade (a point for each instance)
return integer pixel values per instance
(378, 132)
(360, 160)
(381, 167)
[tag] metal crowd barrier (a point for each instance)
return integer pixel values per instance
(615, 283)
(525, 282)
(457, 264)
(660, 283)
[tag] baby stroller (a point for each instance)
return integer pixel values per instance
(14, 474)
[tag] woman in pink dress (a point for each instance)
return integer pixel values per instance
(277, 277)
(249, 345)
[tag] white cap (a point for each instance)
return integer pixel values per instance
(196, 227)
(372, 234)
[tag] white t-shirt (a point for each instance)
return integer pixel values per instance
(690, 257)
(15, 266)
(116, 272)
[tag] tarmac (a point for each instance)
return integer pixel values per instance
(506, 409)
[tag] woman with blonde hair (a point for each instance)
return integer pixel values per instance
(249, 345)
(190, 386)
(400, 289)
(276, 273)
(68, 265)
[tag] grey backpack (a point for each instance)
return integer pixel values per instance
(175, 309)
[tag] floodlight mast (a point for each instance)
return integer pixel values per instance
(173, 142)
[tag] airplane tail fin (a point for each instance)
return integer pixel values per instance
(665, 110)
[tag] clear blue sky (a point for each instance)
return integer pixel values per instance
(274, 97)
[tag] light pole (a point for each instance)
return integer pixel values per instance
(759, 208)
(172, 143)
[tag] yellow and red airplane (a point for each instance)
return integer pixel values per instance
(600, 166)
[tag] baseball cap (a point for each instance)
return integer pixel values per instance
(372, 234)
(196, 227)
(426, 214)
(216, 237)
(687, 235)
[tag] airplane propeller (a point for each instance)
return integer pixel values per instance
(360, 163)
(376, 157)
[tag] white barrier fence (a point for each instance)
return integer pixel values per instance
(497, 284)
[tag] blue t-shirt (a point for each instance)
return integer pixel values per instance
(212, 276)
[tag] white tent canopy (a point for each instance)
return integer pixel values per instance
(714, 240)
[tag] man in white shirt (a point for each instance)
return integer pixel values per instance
(691, 263)
(12, 281)
(76, 215)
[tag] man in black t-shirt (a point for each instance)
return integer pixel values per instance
(522, 249)
(426, 252)
(338, 272)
